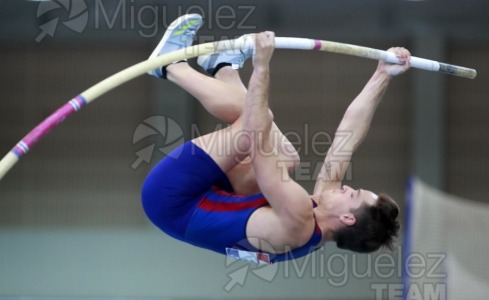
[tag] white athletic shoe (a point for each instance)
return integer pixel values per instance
(180, 34)
(236, 58)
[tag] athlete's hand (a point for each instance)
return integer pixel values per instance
(396, 69)
(264, 46)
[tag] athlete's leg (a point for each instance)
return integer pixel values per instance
(224, 98)
(221, 99)
(231, 76)
(243, 177)
(284, 146)
(218, 97)
(224, 67)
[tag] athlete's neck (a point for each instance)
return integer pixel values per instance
(323, 221)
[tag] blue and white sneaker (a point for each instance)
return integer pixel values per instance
(180, 34)
(211, 63)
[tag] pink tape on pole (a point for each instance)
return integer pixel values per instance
(47, 125)
(317, 45)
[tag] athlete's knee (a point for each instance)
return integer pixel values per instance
(243, 178)
(243, 142)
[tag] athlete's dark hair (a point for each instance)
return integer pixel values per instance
(376, 226)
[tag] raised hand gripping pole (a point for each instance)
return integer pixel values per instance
(134, 71)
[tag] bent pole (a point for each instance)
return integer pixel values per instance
(99, 89)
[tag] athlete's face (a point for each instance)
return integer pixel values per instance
(344, 201)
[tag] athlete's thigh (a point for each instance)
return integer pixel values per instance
(224, 146)
(243, 179)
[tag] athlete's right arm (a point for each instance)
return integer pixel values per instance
(290, 202)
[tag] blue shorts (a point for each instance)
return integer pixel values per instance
(190, 198)
(175, 186)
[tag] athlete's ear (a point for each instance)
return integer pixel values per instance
(348, 219)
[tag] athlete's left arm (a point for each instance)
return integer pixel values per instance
(291, 221)
(356, 121)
